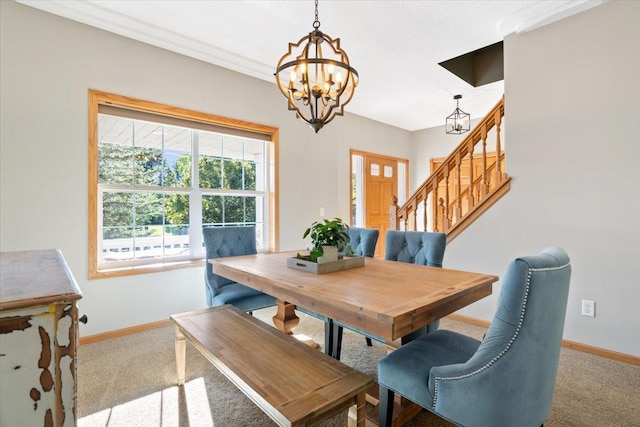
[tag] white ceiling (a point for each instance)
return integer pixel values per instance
(394, 45)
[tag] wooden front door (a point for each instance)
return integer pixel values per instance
(380, 184)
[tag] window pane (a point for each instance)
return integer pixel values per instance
(250, 209)
(233, 209)
(176, 230)
(210, 162)
(115, 150)
(147, 142)
(211, 210)
(117, 215)
(249, 175)
(177, 209)
(149, 220)
(232, 174)
(233, 147)
(177, 157)
(402, 177)
(233, 151)
(176, 240)
(254, 156)
(118, 226)
(210, 172)
(135, 226)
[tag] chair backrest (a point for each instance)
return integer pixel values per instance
(417, 247)
(363, 241)
(223, 242)
(514, 370)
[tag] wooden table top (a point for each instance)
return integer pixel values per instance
(385, 298)
(293, 383)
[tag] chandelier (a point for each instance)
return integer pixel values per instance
(316, 78)
(458, 122)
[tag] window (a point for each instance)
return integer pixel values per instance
(158, 174)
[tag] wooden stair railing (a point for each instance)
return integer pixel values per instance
(444, 202)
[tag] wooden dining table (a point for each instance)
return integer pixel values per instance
(386, 299)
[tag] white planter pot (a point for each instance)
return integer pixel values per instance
(329, 254)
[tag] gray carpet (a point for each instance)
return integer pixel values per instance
(130, 381)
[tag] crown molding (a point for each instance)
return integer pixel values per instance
(543, 13)
(95, 15)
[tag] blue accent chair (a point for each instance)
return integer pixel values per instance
(505, 380)
(224, 242)
(363, 243)
(416, 247)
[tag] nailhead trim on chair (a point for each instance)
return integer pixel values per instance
(511, 341)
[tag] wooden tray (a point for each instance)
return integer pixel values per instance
(325, 267)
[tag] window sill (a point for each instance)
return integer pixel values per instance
(144, 269)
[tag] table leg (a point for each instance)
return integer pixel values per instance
(285, 318)
(181, 353)
(357, 415)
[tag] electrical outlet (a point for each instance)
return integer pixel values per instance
(322, 212)
(588, 308)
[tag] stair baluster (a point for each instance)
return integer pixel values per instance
(445, 194)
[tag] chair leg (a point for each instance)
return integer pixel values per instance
(337, 341)
(369, 343)
(328, 337)
(413, 335)
(385, 407)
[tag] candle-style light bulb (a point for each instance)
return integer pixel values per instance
(339, 80)
(332, 69)
(292, 79)
(303, 73)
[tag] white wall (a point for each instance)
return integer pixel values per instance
(47, 66)
(573, 120)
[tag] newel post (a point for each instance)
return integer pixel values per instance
(393, 214)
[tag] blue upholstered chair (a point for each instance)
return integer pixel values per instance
(416, 247)
(363, 243)
(509, 377)
(231, 241)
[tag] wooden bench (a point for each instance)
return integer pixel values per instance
(292, 383)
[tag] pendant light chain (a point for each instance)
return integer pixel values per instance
(316, 23)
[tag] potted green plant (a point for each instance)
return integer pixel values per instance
(328, 238)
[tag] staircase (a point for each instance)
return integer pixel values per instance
(463, 187)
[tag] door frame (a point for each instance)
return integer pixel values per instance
(364, 155)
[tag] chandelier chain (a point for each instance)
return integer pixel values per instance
(316, 23)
